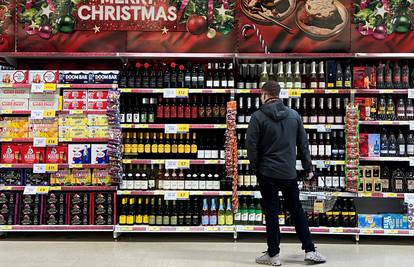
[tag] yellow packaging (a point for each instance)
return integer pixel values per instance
(99, 131)
(73, 120)
(64, 132)
(100, 177)
(14, 127)
(81, 177)
(61, 177)
(47, 128)
(79, 132)
(97, 120)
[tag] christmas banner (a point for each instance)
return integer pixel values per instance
(299, 26)
(383, 26)
(126, 25)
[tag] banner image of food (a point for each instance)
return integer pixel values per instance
(383, 26)
(126, 25)
(276, 26)
(6, 25)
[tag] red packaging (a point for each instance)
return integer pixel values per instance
(98, 94)
(74, 94)
(363, 147)
(97, 105)
(74, 104)
(57, 154)
(10, 153)
(361, 101)
(31, 154)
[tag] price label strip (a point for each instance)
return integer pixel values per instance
(182, 195)
(170, 93)
(171, 164)
(294, 93)
(284, 93)
(183, 164)
(39, 142)
(49, 87)
(51, 168)
(29, 190)
(51, 141)
(39, 168)
(183, 128)
(170, 195)
(410, 93)
(170, 128)
(37, 88)
(181, 92)
(42, 190)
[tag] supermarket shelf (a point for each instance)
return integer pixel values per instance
(63, 188)
(162, 161)
(161, 90)
(87, 86)
(91, 112)
(56, 228)
(384, 123)
(314, 162)
(60, 166)
(381, 91)
(381, 195)
(291, 229)
(17, 140)
(319, 127)
(15, 85)
(401, 159)
(303, 91)
(15, 112)
(173, 229)
(84, 140)
(163, 192)
(257, 194)
(162, 126)
(292, 55)
(386, 232)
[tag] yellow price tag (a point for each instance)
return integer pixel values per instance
(6, 139)
(76, 166)
(183, 164)
(330, 91)
(387, 122)
(76, 112)
(228, 229)
(42, 189)
(386, 91)
(6, 85)
(368, 231)
(182, 195)
(219, 90)
(181, 92)
(183, 128)
(392, 232)
(390, 195)
(55, 188)
(154, 228)
(308, 91)
(49, 87)
(6, 165)
(127, 161)
(365, 194)
(64, 86)
(6, 227)
(126, 90)
(128, 228)
(337, 230)
(211, 161)
(7, 111)
(248, 228)
(294, 92)
(124, 192)
(212, 228)
(51, 168)
(328, 126)
(183, 229)
(141, 126)
(51, 141)
(243, 91)
(5, 188)
(49, 113)
(158, 161)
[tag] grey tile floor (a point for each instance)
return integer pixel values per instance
(197, 251)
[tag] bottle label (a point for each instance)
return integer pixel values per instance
(213, 220)
(244, 153)
(188, 185)
(330, 119)
(402, 150)
(167, 185)
(205, 220)
(314, 150)
(247, 118)
(328, 150)
(221, 220)
(129, 117)
(161, 184)
(253, 180)
(297, 85)
(224, 83)
(154, 148)
(305, 119)
(237, 217)
(214, 154)
(222, 154)
(282, 85)
(195, 185)
(181, 149)
(321, 119)
(144, 185)
(259, 217)
(335, 181)
(240, 85)
(338, 119)
(127, 148)
(143, 118)
(240, 180)
(136, 118)
(147, 148)
(229, 219)
(122, 117)
(247, 181)
(151, 220)
(303, 86)
(241, 119)
(180, 185)
(216, 185)
(134, 148)
(174, 185)
(410, 149)
(202, 185)
(347, 84)
(193, 149)
(321, 150)
(151, 184)
(161, 148)
(151, 118)
(321, 85)
(124, 184)
(173, 220)
(314, 119)
(137, 184)
(339, 84)
(200, 154)
(314, 85)
(187, 149)
(289, 85)
(130, 184)
(209, 185)
(208, 154)
(252, 217)
(216, 83)
(230, 83)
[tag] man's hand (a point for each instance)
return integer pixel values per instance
(309, 176)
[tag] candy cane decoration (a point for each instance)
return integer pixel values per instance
(262, 42)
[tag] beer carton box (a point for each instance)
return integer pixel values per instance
(99, 154)
(79, 153)
(370, 221)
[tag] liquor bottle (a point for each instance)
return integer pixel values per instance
(216, 76)
(160, 77)
(195, 212)
(330, 118)
(304, 112)
(392, 145)
(321, 147)
(380, 76)
(200, 77)
(251, 217)
(209, 76)
(388, 76)
(131, 76)
(321, 76)
(151, 111)
(223, 109)
(188, 77)
(139, 217)
(313, 79)
(173, 214)
(224, 83)
(146, 76)
(401, 145)
(314, 146)
(158, 212)
(289, 76)
(244, 210)
(313, 118)
(230, 78)
(396, 77)
(321, 112)
(166, 213)
(341, 145)
(381, 113)
(339, 115)
(205, 218)
(123, 76)
(129, 112)
(131, 212)
(280, 76)
(237, 215)
(159, 113)
(410, 145)
(248, 113)
(264, 77)
(296, 78)
(334, 147)
(187, 212)
(259, 214)
(154, 145)
(173, 111)
(272, 76)
(384, 144)
(348, 77)
(401, 113)
(405, 76)
(339, 82)
(144, 110)
(304, 77)
(221, 213)
(240, 114)
(390, 110)
(256, 76)
(241, 77)
(229, 213)
(152, 77)
(180, 76)
(328, 146)
(409, 111)
(124, 211)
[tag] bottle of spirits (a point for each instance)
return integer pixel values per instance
(304, 77)
(409, 111)
(305, 112)
(313, 80)
(401, 113)
(241, 77)
(392, 145)
(229, 213)
(194, 77)
(241, 114)
(314, 147)
(296, 78)
(384, 144)
(396, 77)
(187, 77)
(230, 78)
(410, 145)
(221, 213)
(321, 76)
(380, 76)
(216, 76)
(321, 147)
(405, 76)
(137, 76)
(201, 78)
(146, 76)
(152, 77)
(213, 212)
(281, 76)
(348, 77)
(328, 146)
(401, 145)
(334, 148)
(390, 110)
(339, 114)
(339, 83)
(321, 112)
(289, 76)
(388, 76)
(209, 76)
(264, 77)
(223, 76)
(272, 76)
(167, 76)
(313, 112)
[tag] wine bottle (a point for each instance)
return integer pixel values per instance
(313, 112)
(410, 145)
(241, 77)
(392, 145)
(281, 76)
(401, 113)
(348, 77)
(321, 111)
(330, 118)
(264, 77)
(321, 76)
(194, 77)
(230, 78)
(289, 76)
(313, 77)
(304, 77)
(339, 77)
(209, 77)
(296, 78)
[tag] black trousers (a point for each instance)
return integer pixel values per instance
(269, 188)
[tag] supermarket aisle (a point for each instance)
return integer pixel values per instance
(181, 254)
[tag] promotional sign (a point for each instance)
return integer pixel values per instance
(126, 25)
(6, 25)
(294, 26)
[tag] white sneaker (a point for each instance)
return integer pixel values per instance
(315, 257)
(267, 260)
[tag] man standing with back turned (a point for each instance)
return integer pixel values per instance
(273, 134)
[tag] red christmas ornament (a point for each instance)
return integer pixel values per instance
(196, 24)
(45, 31)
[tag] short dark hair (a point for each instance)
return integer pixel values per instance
(271, 88)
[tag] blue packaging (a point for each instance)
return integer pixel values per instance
(76, 77)
(395, 221)
(79, 153)
(374, 145)
(370, 221)
(100, 154)
(106, 77)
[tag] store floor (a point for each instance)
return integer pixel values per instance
(198, 251)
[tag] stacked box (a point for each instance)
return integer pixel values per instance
(11, 177)
(61, 177)
(30, 210)
(14, 127)
(7, 208)
(31, 178)
(103, 209)
(79, 153)
(55, 209)
(395, 221)
(370, 221)
(43, 76)
(99, 154)
(57, 154)
(79, 209)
